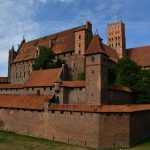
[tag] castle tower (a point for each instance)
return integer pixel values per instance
(83, 38)
(96, 73)
(116, 37)
(11, 57)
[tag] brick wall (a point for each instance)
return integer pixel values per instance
(114, 130)
(88, 129)
(139, 126)
(72, 127)
(120, 97)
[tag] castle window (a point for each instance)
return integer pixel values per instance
(61, 112)
(50, 88)
(44, 88)
(92, 58)
(116, 38)
(92, 71)
(32, 89)
(79, 45)
(79, 36)
(79, 52)
(116, 44)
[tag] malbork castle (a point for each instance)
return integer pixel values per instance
(53, 104)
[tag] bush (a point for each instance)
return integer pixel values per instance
(81, 76)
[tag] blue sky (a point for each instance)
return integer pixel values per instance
(35, 18)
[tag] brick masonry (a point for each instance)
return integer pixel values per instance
(87, 129)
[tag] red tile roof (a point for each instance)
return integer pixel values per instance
(23, 101)
(3, 79)
(100, 108)
(72, 84)
(64, 43)
(11, 86)
(119, 88)
(43, 77)
(141, 55)
(96, 46)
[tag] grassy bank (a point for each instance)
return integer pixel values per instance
(12, 141)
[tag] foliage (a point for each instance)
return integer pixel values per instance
(81, 76)
(142, 87)
(46, 60)
(129, 74)
(127, 71)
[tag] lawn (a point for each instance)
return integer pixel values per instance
(12, 141)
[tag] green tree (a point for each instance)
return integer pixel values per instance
(142, 87)
(81, 76)
(127, 71)
(46, 60)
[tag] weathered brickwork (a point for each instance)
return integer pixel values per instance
(87, 129)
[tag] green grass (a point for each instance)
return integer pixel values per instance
(12, 141)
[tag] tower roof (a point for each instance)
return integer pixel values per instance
(97, 46)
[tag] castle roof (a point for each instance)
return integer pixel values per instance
(41, 78)
(96, 46)
(100, 108)
(63, 42)
(24, 101)
(141, 55)
(119, 88)
(11, 86)
(72, 84)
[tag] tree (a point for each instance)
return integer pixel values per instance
(46, 60)
(127, 71)
(81, 76)
(142, 87)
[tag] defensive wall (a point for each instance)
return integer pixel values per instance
(88, 125)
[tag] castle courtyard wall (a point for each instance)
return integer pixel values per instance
(120, 97)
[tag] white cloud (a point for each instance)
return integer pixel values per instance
(15, 21)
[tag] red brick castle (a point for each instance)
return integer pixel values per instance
(53, 104)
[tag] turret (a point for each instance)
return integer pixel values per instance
(83, 37)
(11, 58)
(96, 72)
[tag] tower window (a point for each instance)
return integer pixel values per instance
(92, 71)
(92, 58)
(79, 45)
(79, 36)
